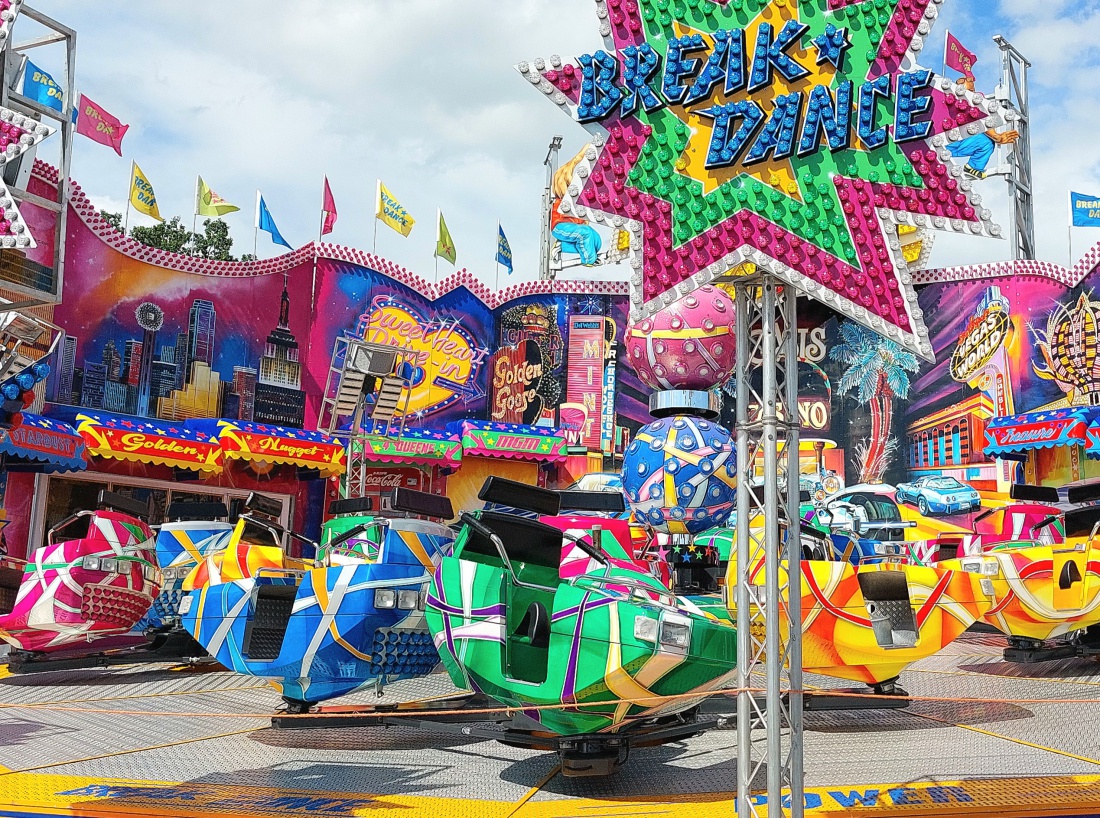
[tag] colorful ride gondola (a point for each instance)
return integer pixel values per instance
(87, 589)
(868, 622)
(553, 617)
(320, 629)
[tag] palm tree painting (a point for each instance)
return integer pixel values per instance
(877, 370)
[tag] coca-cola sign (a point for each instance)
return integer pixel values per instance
(378, 480)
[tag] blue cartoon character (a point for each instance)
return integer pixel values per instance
(979, 148)
(575, 234)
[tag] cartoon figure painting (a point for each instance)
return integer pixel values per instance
(575, 234)
(979, 148)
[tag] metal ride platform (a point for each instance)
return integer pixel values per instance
(158, 740)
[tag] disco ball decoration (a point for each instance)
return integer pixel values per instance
(687, 345)
(680, 475)
(150, 317)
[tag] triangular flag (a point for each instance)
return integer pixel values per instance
(390, 212)
(141, 194)
(444, 244)
(99, 126)
(504, 249)
(328, 210)
(209, 203)
(267, 224)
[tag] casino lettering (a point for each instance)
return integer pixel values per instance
(743, 130)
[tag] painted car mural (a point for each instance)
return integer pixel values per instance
(939, 495)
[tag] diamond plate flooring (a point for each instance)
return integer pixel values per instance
(153, 740)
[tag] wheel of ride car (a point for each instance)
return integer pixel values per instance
(922, 504)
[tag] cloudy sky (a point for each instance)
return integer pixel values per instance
(422, 93)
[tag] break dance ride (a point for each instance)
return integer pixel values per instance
(89, 589)
(353, 618)
(551, 616)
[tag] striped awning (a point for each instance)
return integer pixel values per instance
(1040, 430)
(488, 439)
(259, 443)
(147, 440)
(42, 444)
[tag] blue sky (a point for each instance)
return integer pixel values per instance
(422, 93)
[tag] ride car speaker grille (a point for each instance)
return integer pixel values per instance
(114, 607)
(263, 636)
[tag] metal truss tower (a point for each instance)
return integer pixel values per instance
(1013, 93)
(769, 622)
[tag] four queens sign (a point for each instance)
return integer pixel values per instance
(772, 132)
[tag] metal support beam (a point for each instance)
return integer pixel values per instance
(769, 628)
(1012, 92)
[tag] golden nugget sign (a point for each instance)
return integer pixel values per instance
(136, 442)
(985, 335)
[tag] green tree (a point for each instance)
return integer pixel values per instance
(878, 371)
(214, 242)
(169, 235)
(113, 219)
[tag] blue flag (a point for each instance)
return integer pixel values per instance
(1085, 209)
(504, 250)
(41, 87)
(267, 224)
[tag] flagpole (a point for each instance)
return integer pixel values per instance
(496, 258)
(1069, 230)
(129, 190)
(377, 202)
(195, 218)
(256, 234)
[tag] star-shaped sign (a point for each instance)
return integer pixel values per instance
(775, 135)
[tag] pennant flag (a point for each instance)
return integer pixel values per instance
(141, 194)
(267, 224)
(504, 249)
(391, 212)
(958, 57)
(99, 126)
(328, 210)
(1085, 209)
(209, 203)
(444, 244)
(41, 87)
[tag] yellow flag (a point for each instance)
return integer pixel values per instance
(209, 203)
(390, 212)
(141, 194)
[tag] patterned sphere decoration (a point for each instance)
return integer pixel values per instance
(680, 475)
(687, 345)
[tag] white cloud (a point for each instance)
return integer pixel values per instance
(422, 93)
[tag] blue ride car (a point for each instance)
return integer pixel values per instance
(933, 494)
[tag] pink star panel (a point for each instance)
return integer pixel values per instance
(18, 134)
(774, 132)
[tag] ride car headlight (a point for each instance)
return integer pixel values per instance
(185, 604)
(91, 563)
(972, 567)
(676, 634)
(150, 573)
(987, 586)
(385, 598)
(645, 628)
(422, 599)
(886, 549)
(406, 600)
(109, 565)
(990, 568)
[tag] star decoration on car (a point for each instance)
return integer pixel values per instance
(771, 135)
